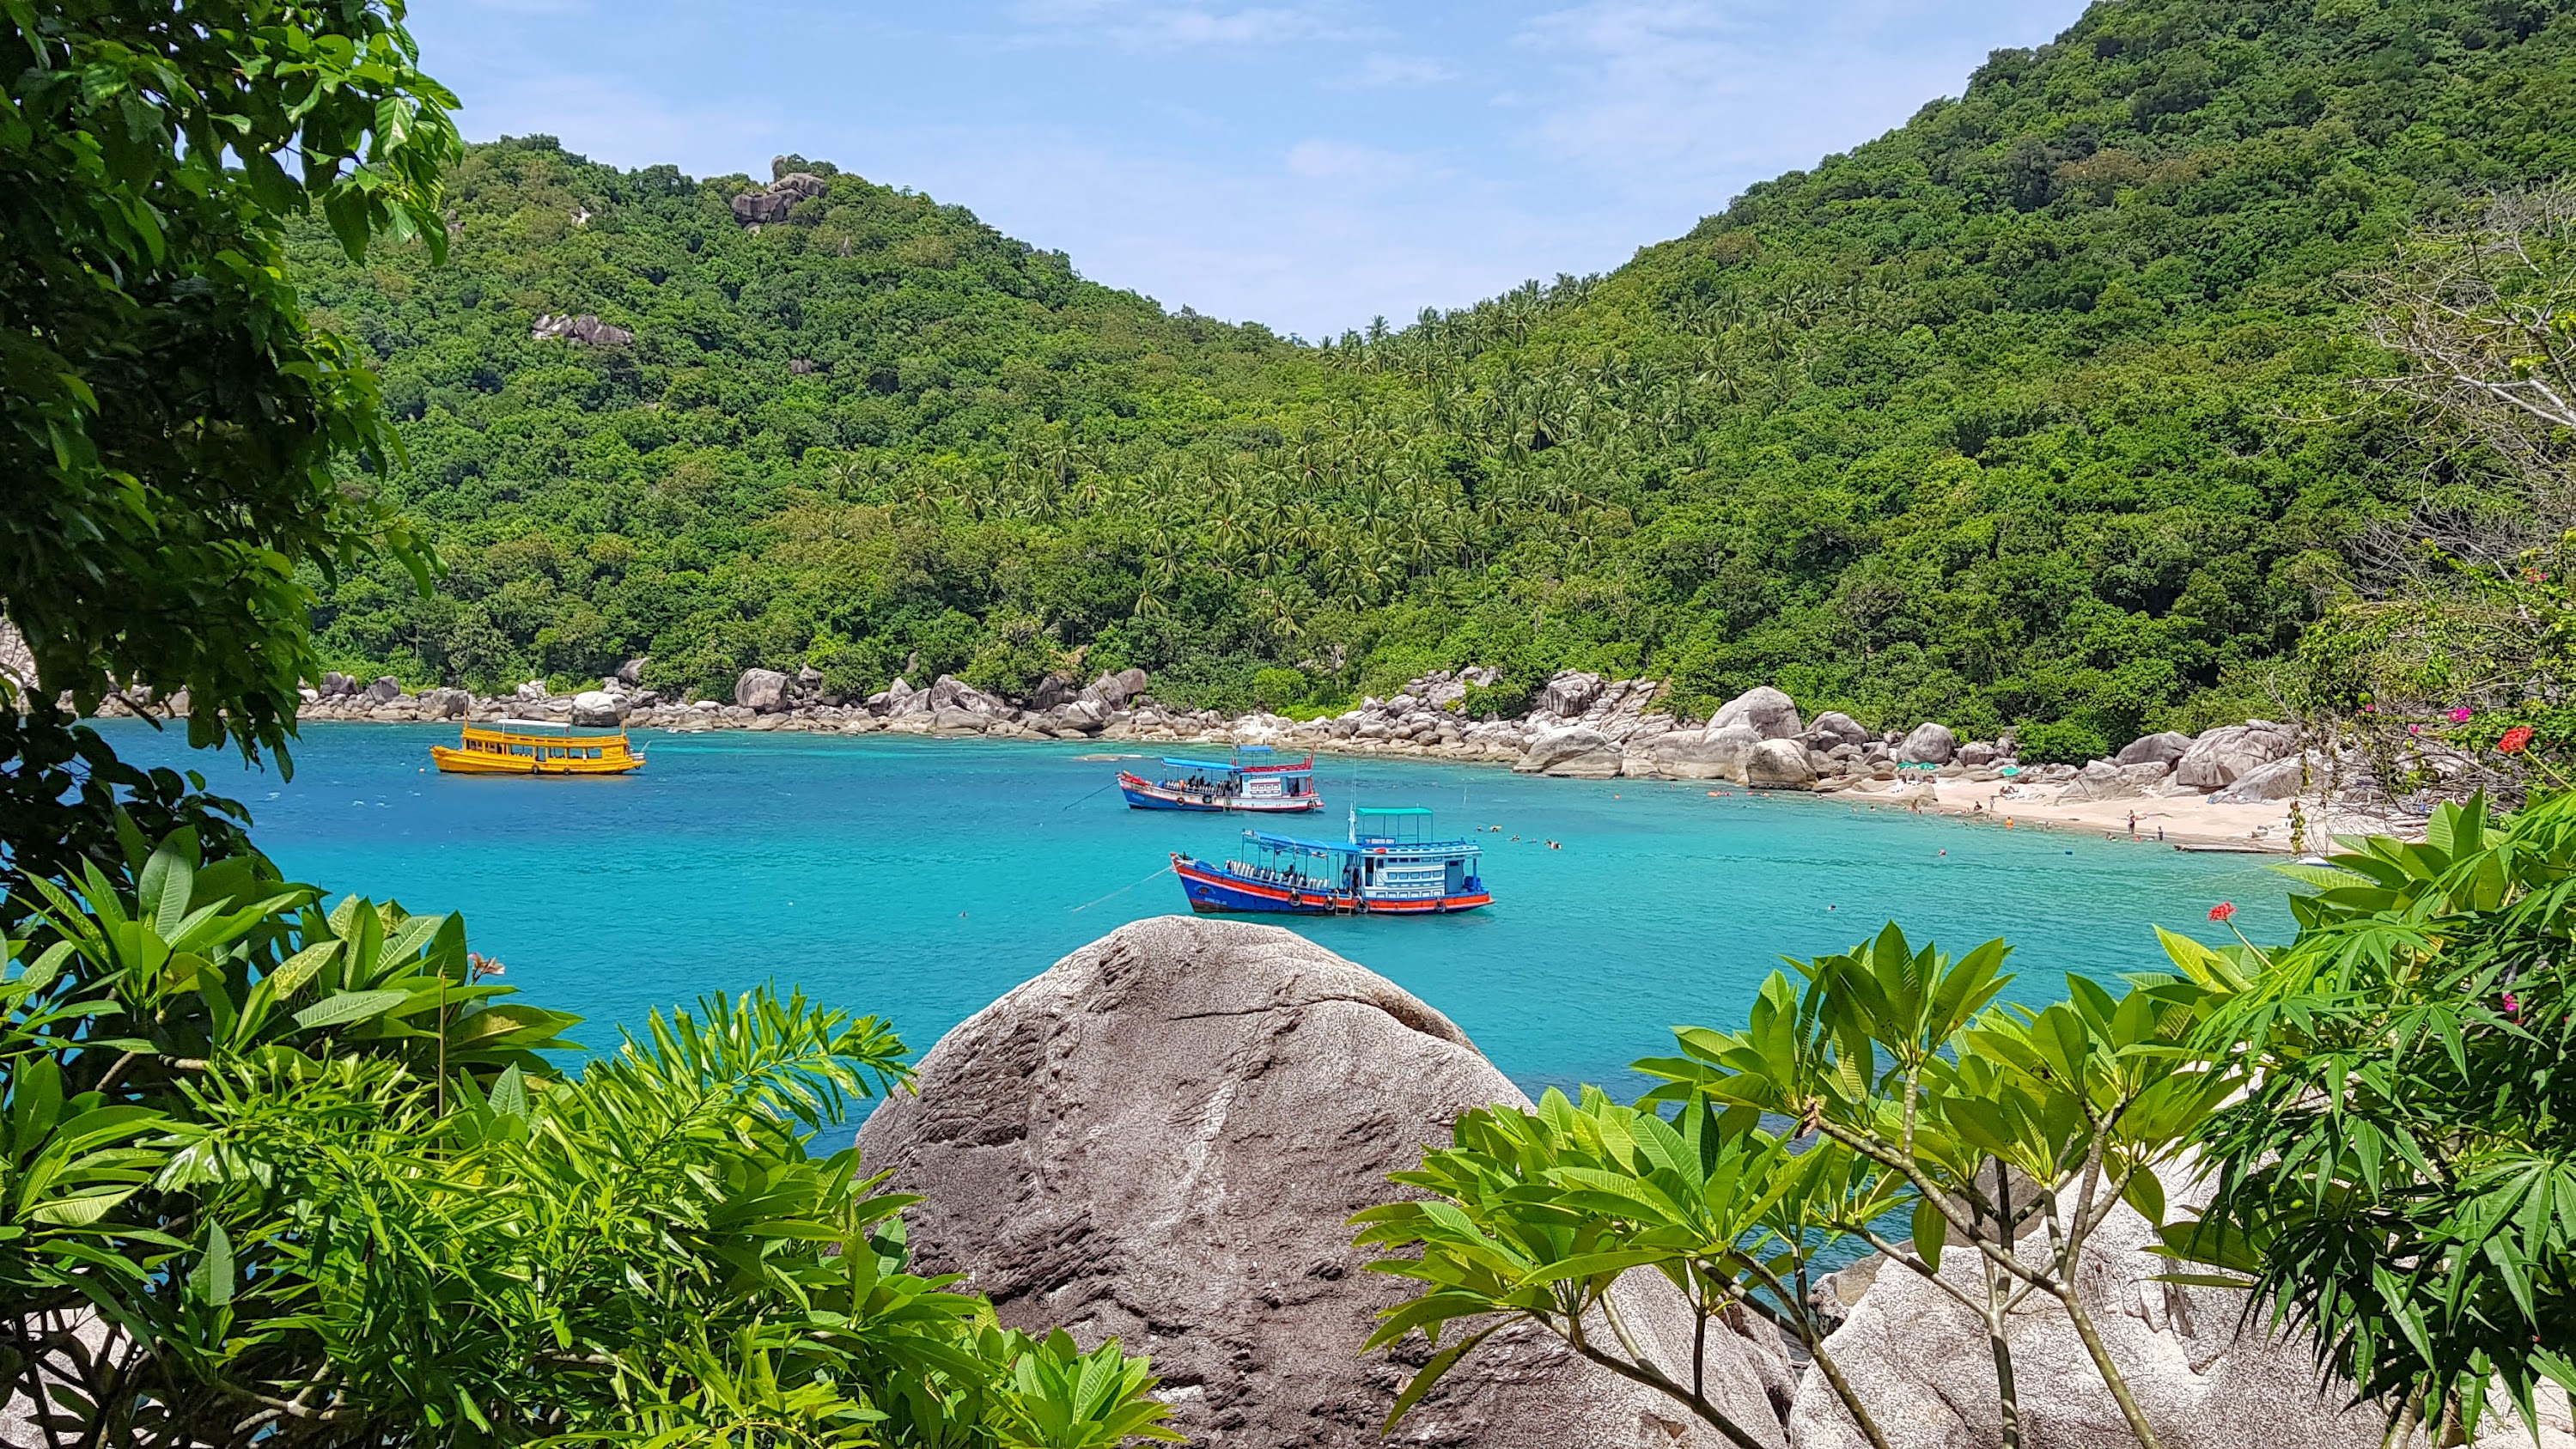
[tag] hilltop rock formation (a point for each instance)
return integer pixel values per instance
(774, 202)
(585, 329)
(1161, 1139)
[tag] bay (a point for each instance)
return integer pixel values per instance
(919, 879)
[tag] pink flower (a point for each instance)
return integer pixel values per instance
(2223, 911)
(2511, 1006)
(2414, 729)
(2461, 714)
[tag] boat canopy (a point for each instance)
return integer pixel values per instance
(1366, 845)
(1391, 825)
(1237, 767)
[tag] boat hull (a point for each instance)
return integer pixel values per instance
(452, 761)
(1144, 794)
(1214, 891)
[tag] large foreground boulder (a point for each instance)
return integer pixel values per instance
(1162, 1138)
(2204, 1378)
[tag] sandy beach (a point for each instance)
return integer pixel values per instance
(2189, 821)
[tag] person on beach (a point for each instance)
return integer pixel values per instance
(2133, 825)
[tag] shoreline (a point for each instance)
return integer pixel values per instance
(2190, 822)
(2251, 787)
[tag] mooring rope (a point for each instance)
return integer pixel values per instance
(1122, 890)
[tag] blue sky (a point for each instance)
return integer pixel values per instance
(1305, 163)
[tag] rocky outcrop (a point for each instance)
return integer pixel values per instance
(2280, 780)
(1569, 694)
(598, 708)
(2219, 756)
(1115, 690)
(1834, 728)
(1162, 1138)
(2108, 780)
(585, 329)
(776, 201)
(1930, 744)
(1575, 752)
(2204, 1379)
(2157, 749)
(1710, 754)
(1765, 711)
(1778, 765)
(761, 690)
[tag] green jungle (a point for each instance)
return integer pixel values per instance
(2035, 411)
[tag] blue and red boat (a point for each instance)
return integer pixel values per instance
(1252, 780)
(1389, 866)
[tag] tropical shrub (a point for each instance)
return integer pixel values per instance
(2399, 1181)
(1900, 1091)
(275, 1174)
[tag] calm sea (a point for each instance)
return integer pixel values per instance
(919, 879)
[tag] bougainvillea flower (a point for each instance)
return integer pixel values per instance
(2515, 740)
(2223, 911)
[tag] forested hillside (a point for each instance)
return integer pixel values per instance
(2032, 411)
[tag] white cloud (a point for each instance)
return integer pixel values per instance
(1672, 98)
(1322, 160)
(1158, 25)
(1400, 70)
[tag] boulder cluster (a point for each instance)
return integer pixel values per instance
(1579, 725)
(585, 329)
(773, 202)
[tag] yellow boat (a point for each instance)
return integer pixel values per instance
(535, 747)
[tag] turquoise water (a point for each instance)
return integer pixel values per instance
(919, 879)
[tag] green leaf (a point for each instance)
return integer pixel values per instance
(1931, 1232)
(2145, 1192)
(213, 1278)
(1428, 1377)
(349, 1006)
